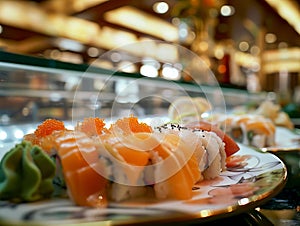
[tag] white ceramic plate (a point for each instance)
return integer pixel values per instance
(251, 179)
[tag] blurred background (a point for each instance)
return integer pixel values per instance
(70, 59)
(250, 45)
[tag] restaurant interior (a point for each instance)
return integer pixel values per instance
(71, 59)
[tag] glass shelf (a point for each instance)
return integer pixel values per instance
(32, 89)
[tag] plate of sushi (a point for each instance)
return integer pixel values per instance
(265, 127)
(131, 172)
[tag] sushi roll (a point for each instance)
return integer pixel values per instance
(126, 163)
(253, 130)
(175, 167)
(208, 146)
(131, 159)
(258, 132)
(149, 162)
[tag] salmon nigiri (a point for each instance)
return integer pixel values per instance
(83, 172)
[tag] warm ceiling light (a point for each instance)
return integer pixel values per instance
(160, 7)
(275, 67)
(69, 44)
(244, 46)
(80, 5)
(73, 6)
(148, 70)
(270, 38)
(25, 15)
(112, 38)
(227, 10)
(138, 20)
(282, 45)
(93, 52)
(29, 16)
(281, 60)
(246, 60)
(170, 72)
(160, 51)
(288, 10)
(283, 54)
(255, 50)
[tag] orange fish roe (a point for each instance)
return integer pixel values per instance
(48, 126)
(131, 125)
(92, 126)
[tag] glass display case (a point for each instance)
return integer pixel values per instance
(33, 89)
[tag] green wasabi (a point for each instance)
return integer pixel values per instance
(26, 174)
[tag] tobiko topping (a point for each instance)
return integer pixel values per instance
(131, 125)
(92, 126)
(48, 126)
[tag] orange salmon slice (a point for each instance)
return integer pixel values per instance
(181, 183)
